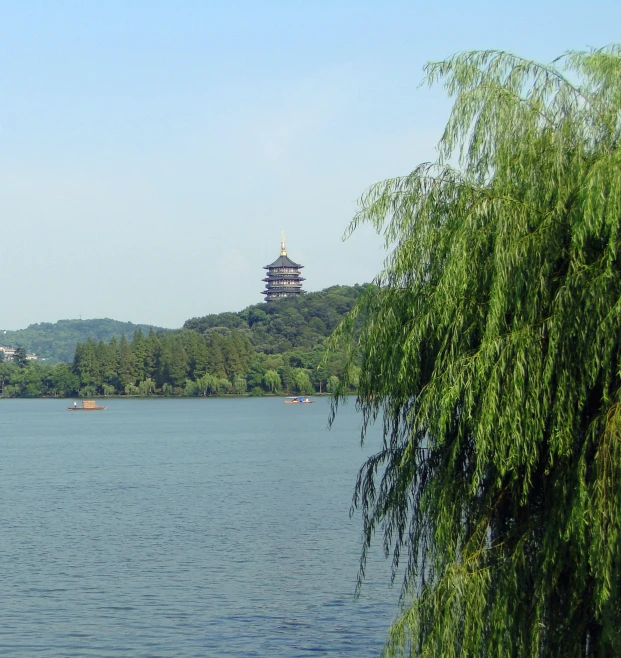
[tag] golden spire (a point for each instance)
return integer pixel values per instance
(283, 246)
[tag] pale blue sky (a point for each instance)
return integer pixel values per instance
(151, 152)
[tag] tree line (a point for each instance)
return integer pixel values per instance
(56, 341)
(266, 349)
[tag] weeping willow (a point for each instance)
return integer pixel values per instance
(491, 353)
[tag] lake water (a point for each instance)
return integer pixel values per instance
(213, 527)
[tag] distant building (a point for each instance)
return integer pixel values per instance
(9, 352)
(283, 276)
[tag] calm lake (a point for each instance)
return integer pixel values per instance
(198, 527)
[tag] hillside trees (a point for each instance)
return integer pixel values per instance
(225, 353)
(57, 341)
(492, 350)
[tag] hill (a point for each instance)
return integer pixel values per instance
(57, 341)
(271, 347)
(289, 324)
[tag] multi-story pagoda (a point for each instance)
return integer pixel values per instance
(283, 276)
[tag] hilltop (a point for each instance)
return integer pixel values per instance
(56, 341)
(289, 324)
(270, 347)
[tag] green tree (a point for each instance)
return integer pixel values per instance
(86, 363)
(207, 384)
(19, 357)
(333, 384)
(152, 350)
(240, 385)
(174, 365)
(32, 380)
(139, 350)
(255, 375)
(146, 387)
(61, 380)
(215, 361)
(127, 364)
(190, 387)
(287, 377)
(302, 382)
(492, 349)
(108, 362)
(271, 380)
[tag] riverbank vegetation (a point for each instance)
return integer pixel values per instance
(273, 348)
(492, 350)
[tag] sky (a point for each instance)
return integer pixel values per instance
(151, 153)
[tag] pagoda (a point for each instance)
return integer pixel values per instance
(283, 276)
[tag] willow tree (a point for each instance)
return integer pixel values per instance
(491, 353)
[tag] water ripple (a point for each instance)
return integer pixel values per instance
(183, 528)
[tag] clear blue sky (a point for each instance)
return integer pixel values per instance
(151, 152)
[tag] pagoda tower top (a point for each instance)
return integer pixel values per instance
(283, 276)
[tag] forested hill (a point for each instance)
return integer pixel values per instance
(56, 341)
(267, 348)
(289, 324)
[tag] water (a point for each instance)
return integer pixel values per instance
(183, 528)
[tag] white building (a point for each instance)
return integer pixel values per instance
(9, 352)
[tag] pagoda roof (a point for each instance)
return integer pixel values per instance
(282, 261)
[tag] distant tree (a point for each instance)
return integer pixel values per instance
(86, 363)
(127, 364)
(174, 365)
(333, 384)
(255, 375)
(19, 358)
(287, 377)
(146, 387)
(272, 381)
(302, 382)
(131, 389)
(240, 385)
(152, 350)
(108, 362)
(61, 380)
(139, 349)
(216, 364)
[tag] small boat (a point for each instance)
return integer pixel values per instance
(87, 405)
(298, 400)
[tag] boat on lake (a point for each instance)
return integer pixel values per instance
(298, 400)
(87, 405)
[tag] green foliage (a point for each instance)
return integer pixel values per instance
(304, 321)
(302, 382)
(333, 384)
(215, 355)
(240, 385)
(272, 381)
(491, 349)
(56, 341)
(19, 358)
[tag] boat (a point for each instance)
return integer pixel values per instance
(298, 400)
(87, 405)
